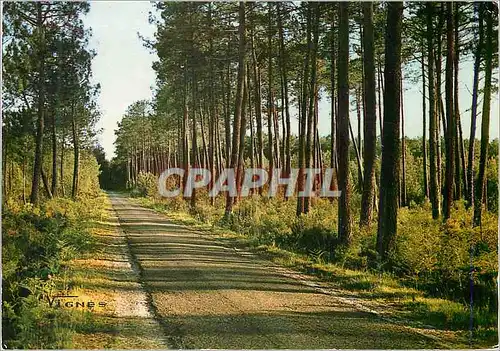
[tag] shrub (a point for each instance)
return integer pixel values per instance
(37, 244)
(147, 185)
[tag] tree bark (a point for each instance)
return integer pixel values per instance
(76, 153)
(243, 128)
(312, 96)
(185, 132)
(450, 114)
(53, 188)
(460, 173)
(288, 157)
(227, 119)
(475, 88)
(391, 152)
(403, 151)
(270, 103)
(439, 100)
(239, 99)
(434, 193)
(258, 105)
(485, 124)
(61, 176)
(37, 166)
(303, 115)
(194, 143)
(424, 130)
(344, 213)
(370, 120)
(333, 108)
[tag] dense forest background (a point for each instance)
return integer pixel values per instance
(231, 78)
(50, 167)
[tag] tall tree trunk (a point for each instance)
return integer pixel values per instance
(380, 100)
(212, 116)
(370, 120)
(475, 88)
(243, 128)
(227, 119)
(270, 103)
(333, 108)
(403, 150)
(459, 149)
(424, 130)
(76, 153)
(253, 150)
(283, 118)
(312, 96)
(45, 180)
(450, 114)
(258, 105)
(288, 157)
(37, 166)
(185, 132)
(434, 193)
(194, 135)
(344, 213)
(357, 141)
(4, 165)
(391, 152)
(61, 175)
(239, 99)
(439, 100)
(206, 158)
(53, 188)
(24, 179)
(276, 138)
(303, 115)
(485, 124)
(357, 153)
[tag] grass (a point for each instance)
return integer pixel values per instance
(380, 291)
(85, 256)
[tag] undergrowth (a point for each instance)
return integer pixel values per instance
(426, 277)
(37, 245)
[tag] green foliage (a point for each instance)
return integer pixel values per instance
(37, 245)
(88, 178)
(429, 256)
(147, 185)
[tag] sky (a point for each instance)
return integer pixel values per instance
(123, 68)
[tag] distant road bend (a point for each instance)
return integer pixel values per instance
(205, 295)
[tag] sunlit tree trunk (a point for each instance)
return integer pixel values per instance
(37, 165)
(344, 213)
(424, 130)
(475, 88)
(303, 115)
(239, 99)
(76, 153)
(485, 124)
(310, 131)
(433, 120)
(370, 120)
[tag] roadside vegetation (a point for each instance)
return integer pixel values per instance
(416, 221)
(426, 279)
(38, 246)
(51, 197)
(240, 85)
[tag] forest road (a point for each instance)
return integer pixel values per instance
(206, 295)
